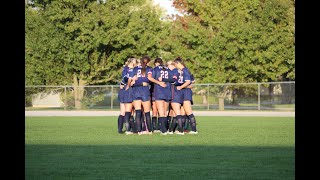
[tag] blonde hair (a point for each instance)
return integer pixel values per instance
(131, 62)
(138, 61)
(170, 63)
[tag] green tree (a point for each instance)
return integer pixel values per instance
(90, 41)
(236, 41)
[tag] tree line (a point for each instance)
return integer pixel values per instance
(87, 42)
(76, 42)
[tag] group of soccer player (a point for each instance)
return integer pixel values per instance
(165, 88)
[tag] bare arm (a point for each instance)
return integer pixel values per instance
(129, 83)
(187, 83)
(162, 84)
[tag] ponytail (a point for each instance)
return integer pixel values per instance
(144, 61)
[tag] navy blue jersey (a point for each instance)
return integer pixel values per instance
(186, 75)
(161, 93)
(187, 93)
(192, 77)
(125, 75)
(140, 92)
(177, 75)
(123, 95)
(141, 78)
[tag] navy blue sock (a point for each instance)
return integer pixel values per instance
(173, 124)
(126, 120)
(120, 123)
(168, 122)
(154, 123)
(138, 120)
(192, 122)
(148, 121)
(143, 124)
(162, 120)
(186, 124)
(180, 126)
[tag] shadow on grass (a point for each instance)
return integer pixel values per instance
(158, 162)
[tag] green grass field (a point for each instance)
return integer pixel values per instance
(226, 148)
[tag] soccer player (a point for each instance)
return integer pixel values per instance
(187, 94)
(141, 94)
(154, 119)
(162, 92)
(121, 97)
(176, 78)
(125, 95)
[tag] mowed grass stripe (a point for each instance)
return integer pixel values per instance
(225, 148)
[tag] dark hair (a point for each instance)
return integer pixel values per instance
(179, 60)
(159, 60)
(144, 61)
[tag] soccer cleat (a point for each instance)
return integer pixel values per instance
(148, 132)
(165, 133)
(193, 132)
(180, 133)
(169, 132)
(157, 131)
(143, 132)
(128, 132)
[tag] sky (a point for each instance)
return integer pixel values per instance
(167, 4)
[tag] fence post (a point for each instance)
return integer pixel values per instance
(208, 98)
(65, 98)
(111, 97)
(259, 96)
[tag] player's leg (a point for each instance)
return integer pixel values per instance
(162, 115)
(128, 109)
(177, 120)
(188, 109)
(169, 113)
(121, 117)
(137, 107)
(155, 126)
(146, 109)
(132, 120)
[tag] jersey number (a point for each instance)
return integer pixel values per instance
(164, 74)
(139, 73)
(180, 80)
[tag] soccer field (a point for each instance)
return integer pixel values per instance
(225, 148)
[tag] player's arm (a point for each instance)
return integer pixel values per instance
(170, 79)
(140, 83)
(162, 84)
(184, 85)
(130, 78)
(192, 81)
(186, 76)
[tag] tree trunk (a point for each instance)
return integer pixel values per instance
(221, 103)
(78, 91)
(204, 100)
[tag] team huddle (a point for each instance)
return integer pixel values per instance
(165, 88)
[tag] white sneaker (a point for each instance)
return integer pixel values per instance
(180, 133)
(148, 132)
(157, 131)
(169, 132)
(128, 132)
(193, 132)
(165, 133)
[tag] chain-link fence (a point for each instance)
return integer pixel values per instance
(230, 96)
